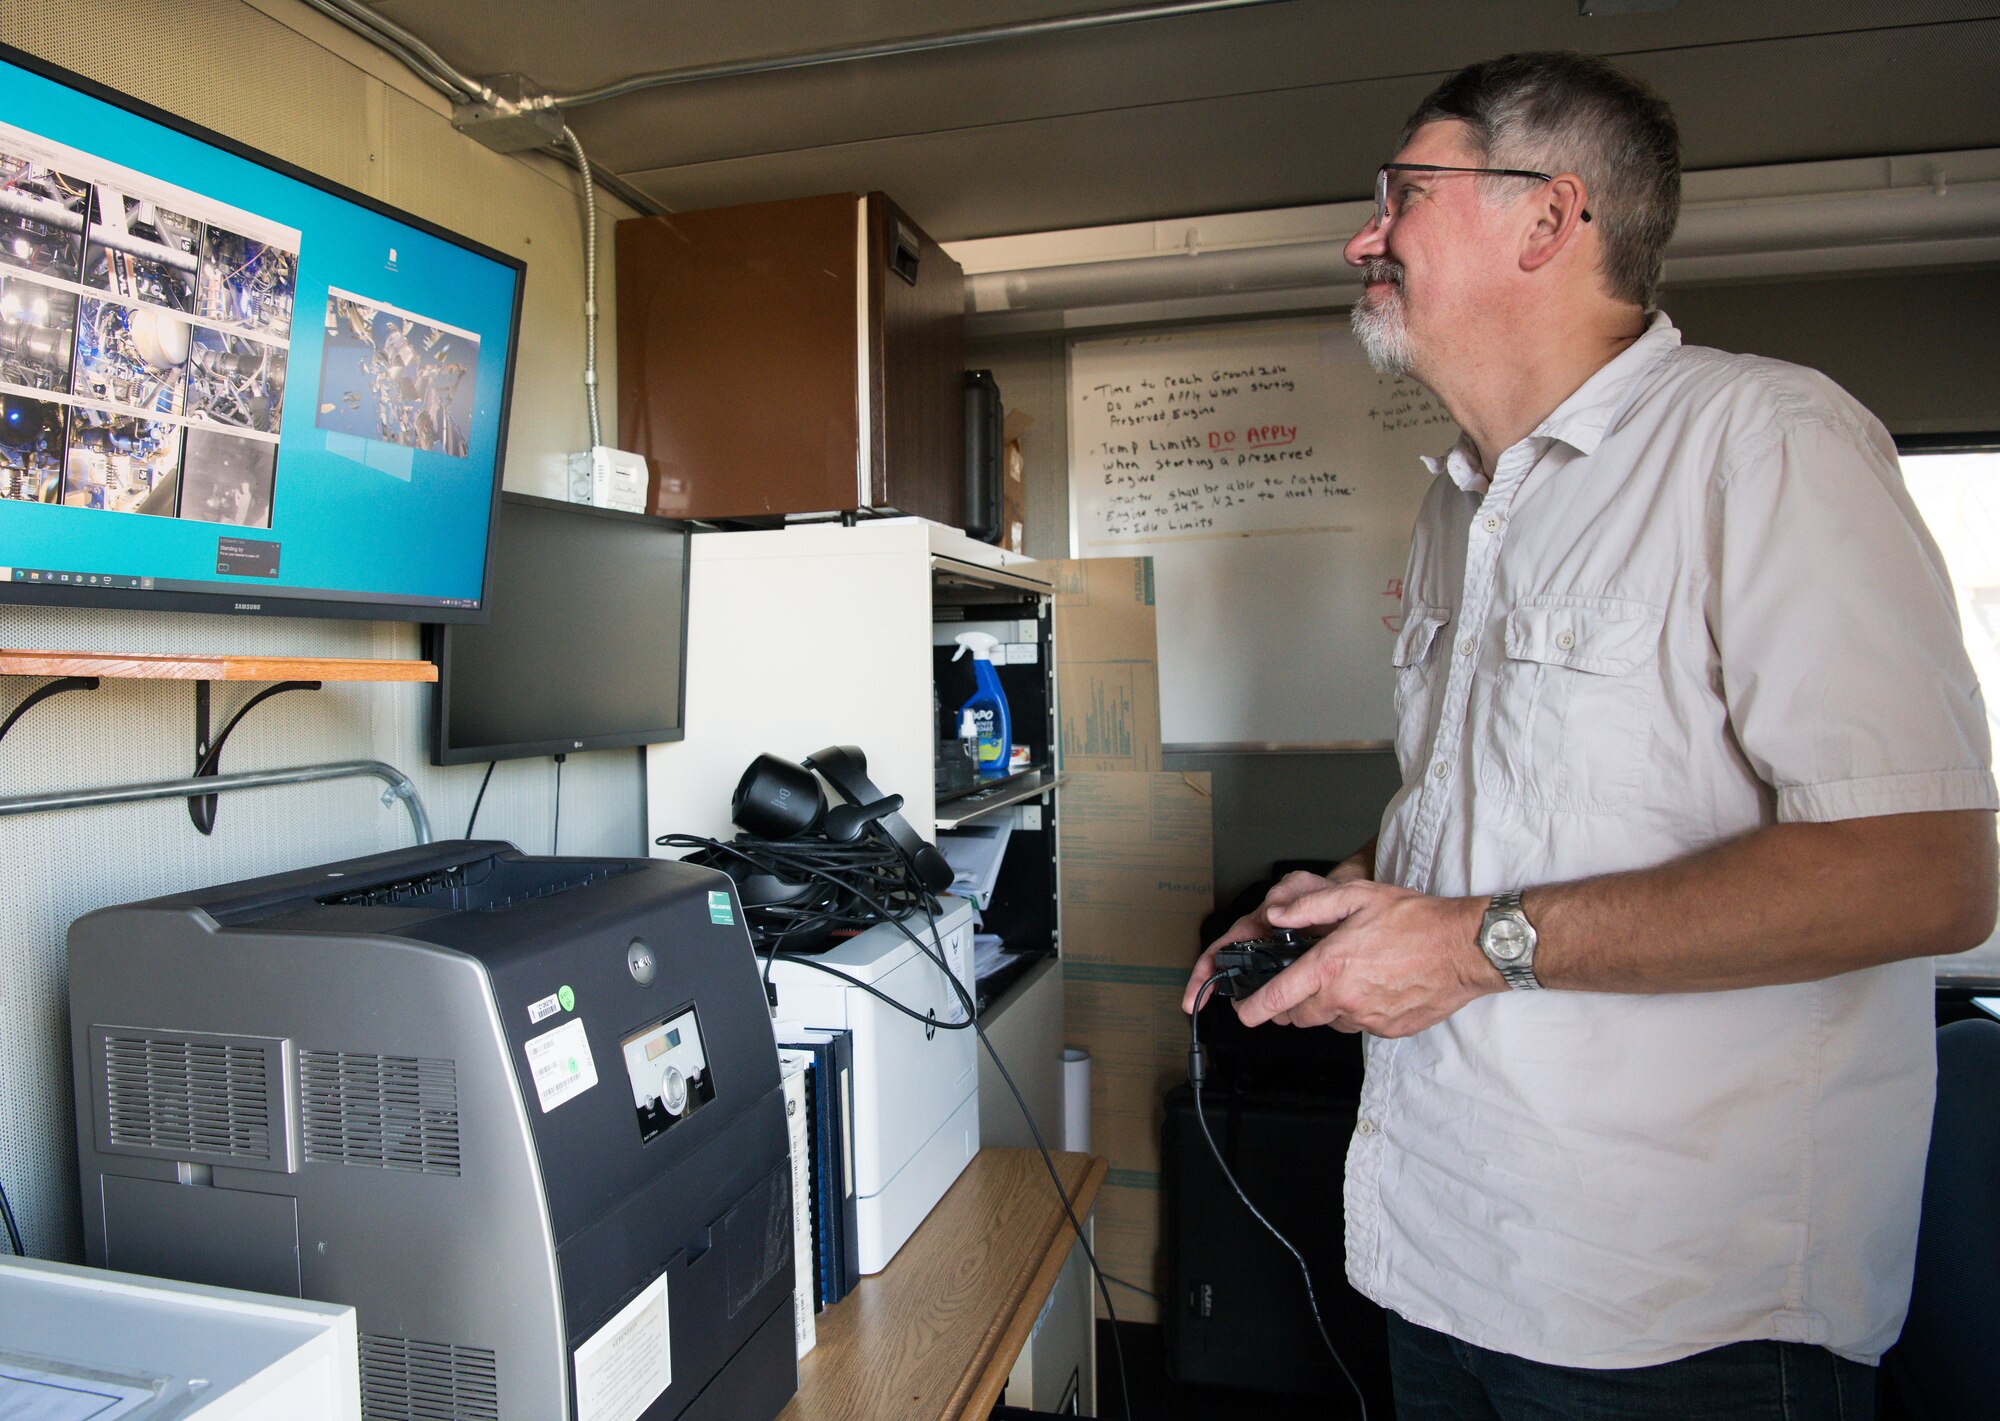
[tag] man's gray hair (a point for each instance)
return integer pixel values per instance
(1563, 112)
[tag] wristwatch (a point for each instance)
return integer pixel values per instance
(1508, 940)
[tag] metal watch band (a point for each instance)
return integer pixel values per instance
(1519, 976)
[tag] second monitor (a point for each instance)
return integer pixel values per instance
(587, 646)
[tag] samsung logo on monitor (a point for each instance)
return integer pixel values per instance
(247, 606)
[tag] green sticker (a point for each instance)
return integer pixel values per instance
(720, 910)
(565, 997)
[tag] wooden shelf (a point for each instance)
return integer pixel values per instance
(936, 1333)
(146, 665)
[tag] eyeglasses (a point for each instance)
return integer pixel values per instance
(1384, 214)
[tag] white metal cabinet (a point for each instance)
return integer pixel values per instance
(799, 638)
(804, 637)
(828, 634)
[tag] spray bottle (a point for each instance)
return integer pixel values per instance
(987, 706)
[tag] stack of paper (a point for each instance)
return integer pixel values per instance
(974, 853)
(792, 1066)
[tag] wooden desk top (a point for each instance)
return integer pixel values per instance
(936, 1332)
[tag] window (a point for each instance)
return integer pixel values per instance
(1958, 492)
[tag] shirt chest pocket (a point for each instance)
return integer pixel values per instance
(1568, 714)
(1417, 659)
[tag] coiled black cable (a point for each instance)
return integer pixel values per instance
(832, 889)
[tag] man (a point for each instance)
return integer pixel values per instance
(1680, 667)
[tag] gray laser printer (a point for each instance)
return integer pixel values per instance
(523, 1114)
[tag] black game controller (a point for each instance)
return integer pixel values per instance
(1242, 967)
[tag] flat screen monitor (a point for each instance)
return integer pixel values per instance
(227, 385)
(586, 648)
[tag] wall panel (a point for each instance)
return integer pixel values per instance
(270, 75)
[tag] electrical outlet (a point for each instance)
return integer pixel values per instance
(608, 478)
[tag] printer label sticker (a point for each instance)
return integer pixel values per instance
(719, 909)
(624, 1366)
(561, 1064)
(544, 1009)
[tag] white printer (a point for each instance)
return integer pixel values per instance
(916, 1087)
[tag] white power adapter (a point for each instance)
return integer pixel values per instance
(608, 478)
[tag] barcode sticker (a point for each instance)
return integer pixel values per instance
(561, 1064)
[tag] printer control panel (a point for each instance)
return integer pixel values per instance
(668, 1069)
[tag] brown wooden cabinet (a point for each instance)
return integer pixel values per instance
(804, 356)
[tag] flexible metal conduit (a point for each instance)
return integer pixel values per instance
(399, 787)
(888, 49)
(440, 73)
(425, 62)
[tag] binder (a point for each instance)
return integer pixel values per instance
(830, 1109)
(850, 1224)
(794, 1067)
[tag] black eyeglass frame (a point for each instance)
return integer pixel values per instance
(1382, 215)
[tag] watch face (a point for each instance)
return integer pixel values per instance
(1507, 939)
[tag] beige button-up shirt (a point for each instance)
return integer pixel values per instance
(1694, 601)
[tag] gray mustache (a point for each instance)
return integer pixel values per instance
(1381, 269)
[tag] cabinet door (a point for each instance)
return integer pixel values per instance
(738, 358)
(917, 330)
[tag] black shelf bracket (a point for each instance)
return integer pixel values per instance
(208, 754)
(43, 693)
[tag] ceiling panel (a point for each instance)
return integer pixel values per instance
(1843, 96)
(1266, 50)
(1274, 105)
(1322, 144)
(1211, 155)
(578, 44)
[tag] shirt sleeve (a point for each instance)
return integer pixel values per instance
(1842, 665)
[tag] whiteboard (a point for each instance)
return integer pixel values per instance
(1274, 478)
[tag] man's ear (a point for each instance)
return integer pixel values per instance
(1558, 217)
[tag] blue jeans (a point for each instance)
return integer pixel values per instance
(1440, 1378)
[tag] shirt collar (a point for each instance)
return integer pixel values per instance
(1581, 420)
(1460, 464)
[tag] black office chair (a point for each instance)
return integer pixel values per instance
(1942, 1369)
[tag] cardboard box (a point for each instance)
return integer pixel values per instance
(1131, 1244)
(1137, 880)
(1107, 663)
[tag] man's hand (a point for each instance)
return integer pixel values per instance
(1289, 889)
(1358, 866)
(1395, 962)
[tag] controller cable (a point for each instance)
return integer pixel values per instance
(1197, 1074)
(928, 903)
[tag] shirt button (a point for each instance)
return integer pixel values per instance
(1492, 524)
(1465, 647)
(1565, 640)
(1366, 1127)
(1440, 769)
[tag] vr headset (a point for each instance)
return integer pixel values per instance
(777, 799)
